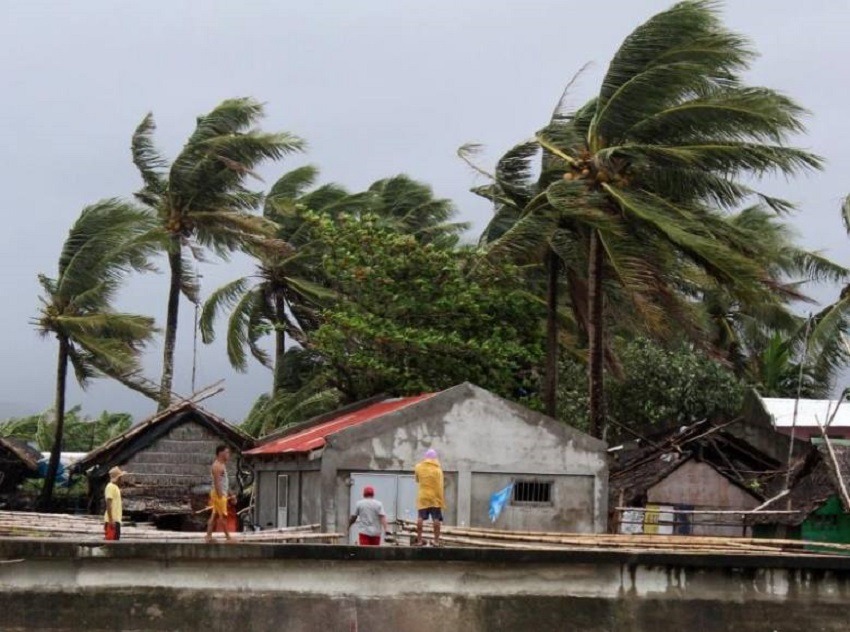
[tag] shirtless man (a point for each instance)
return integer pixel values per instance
(219, 493)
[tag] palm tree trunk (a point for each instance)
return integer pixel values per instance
(596, 338)
(550, 378)
(279, 345)
(46, 499)
(175, 263)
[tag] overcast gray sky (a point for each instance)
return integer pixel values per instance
(377, 87)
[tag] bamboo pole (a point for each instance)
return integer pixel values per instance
(836, 467)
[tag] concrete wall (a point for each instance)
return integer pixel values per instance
(304, 492)
(475, 431)
(700, 485)
(66, 586)
(569, 510)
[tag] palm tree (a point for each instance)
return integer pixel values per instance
(201, 201)
(107, 241)
(282, 297)
(650, 166)
(755, 333)
(410, 207)
(827, 336)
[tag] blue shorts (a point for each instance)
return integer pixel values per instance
(435, 513)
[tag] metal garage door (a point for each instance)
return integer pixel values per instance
(396, 491)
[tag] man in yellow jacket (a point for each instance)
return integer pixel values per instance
(430, 500)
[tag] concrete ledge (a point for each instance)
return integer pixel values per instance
(40, 548)
(85, 586)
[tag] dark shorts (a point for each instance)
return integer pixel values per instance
(112, 531)
(370, 540)
(435, 513)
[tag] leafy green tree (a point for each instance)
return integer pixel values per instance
(201, 200)
(417, 317)
(648, 168)
(659, 388)
(284, 296)
(107, 241)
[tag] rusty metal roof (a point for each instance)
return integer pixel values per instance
(314, 437)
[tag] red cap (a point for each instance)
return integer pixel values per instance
(368, 491)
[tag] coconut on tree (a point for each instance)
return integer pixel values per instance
(641, 179)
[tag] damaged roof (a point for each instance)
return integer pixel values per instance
(741, 463)
(814, 481)
(27, 454)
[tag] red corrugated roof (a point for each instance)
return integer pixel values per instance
(313, 438)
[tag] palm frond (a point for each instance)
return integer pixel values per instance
(151, 165)
(223, 299)
(238, 328)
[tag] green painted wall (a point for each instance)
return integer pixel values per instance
(828, 524)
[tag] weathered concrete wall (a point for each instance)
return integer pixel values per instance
(474, 432)
(153, 586)
(569, 511)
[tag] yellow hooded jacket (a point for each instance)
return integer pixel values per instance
(429, 475)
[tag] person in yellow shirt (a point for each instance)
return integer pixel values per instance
(114, 508)
(430, 499)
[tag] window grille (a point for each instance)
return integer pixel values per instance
(532, 493)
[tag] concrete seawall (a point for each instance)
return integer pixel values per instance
(60, 585)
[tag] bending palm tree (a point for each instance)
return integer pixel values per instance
(829, 342)
(201, 200)
(651, 162)
(105, 243)
(410, 207)
(284, 294)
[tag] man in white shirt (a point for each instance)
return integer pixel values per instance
(370, 517)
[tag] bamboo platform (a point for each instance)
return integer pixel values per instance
(90, 528)
(538, 540)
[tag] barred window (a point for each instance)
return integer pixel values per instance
(532, 492)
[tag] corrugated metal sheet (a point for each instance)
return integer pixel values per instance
(313, 438)
(809, 411)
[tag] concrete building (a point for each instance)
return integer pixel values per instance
(315, 472)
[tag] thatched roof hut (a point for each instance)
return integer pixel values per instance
(18, 460)
(740, 463)
(167, 458)
(814, 482)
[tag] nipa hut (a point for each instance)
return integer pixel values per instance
(673, 482)
(18, 461)
(168, 459)
(820, 509)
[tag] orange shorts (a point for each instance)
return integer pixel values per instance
(218, 503)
